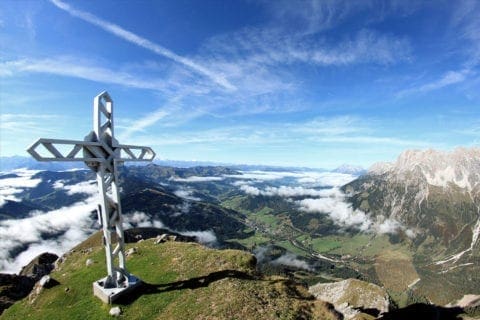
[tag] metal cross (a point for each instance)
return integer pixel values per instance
(101, 152)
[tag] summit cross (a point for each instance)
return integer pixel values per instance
(102, 153)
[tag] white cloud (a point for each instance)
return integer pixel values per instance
(254, 191)
(340, 125)
(237, 135)
(447, 79)
(369, 140)
(88, 187)
(451, 77)
(343, 214)
(264, 175)
(143, 123)
(367, 46)
(183, 208)
(388, 226)
(330, 201)
(252, 48)
(193, 179)
(131, 37)
(349, 129)
(205, 237)
(260, 253)
(326, 179)
(465, 19)
(339, 211)
(186, 194)
(391, 226)
(314, 16)
(307, 178)
(292, 260)
(140, 220)
(75, 67)
(28, 116)
(59, 184)
(285, 191)
(11, 186)
(73, 221)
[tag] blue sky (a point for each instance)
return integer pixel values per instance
(304, 83)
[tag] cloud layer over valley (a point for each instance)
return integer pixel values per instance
(20, 180)
(320, 193)
(55, 231)
(59, 230)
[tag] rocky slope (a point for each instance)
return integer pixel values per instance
(430, 199)
(430, 193)
(352, 297)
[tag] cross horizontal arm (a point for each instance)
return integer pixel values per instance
(93, 151)
(135, 153)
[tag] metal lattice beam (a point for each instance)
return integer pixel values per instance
(102, 153)
(87, 147)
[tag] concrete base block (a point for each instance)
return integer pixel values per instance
(109, 295)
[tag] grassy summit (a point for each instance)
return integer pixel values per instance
(182, 281)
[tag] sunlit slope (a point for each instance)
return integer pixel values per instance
(182, 281)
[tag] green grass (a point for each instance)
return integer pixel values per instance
(185, 281)
(287, 245)
(265, 211)
(267, 219)
(234, 203)
(256, 239)
(325, 244)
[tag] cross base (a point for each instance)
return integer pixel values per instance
(109, 295)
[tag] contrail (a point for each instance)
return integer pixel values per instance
(144, 122)
(142, 42)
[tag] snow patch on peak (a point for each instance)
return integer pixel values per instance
(460, 167)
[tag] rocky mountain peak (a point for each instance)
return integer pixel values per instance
(460, 167)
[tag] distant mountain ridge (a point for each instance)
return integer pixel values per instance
(17, 162)
(350, 169)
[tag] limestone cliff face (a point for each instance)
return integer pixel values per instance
(352, 297)
(431, 200)
(460, 168)
(434, 197)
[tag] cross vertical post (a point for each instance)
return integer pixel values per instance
(102, 153)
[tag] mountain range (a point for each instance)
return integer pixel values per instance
(411, 226)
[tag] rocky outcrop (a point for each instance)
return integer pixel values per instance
(15, 287)
(137, 234)
(470, 303)
(353, 297)
(12, 288)
(40, 266)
